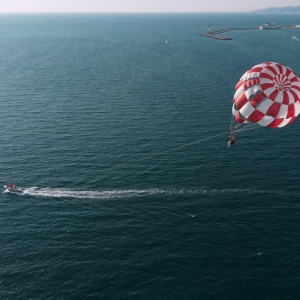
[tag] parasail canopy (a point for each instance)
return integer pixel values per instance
(268, 94)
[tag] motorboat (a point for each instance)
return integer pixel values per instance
(12, 188)
(269, 25)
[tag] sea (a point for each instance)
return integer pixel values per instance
(119, 144)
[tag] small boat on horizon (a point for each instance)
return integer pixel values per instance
(167, 41)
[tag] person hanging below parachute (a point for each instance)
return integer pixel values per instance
(231, 140)
(267, 95)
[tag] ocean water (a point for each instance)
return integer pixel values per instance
(120, 144)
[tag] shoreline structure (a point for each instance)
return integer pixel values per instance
(215, 34)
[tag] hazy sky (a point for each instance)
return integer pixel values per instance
(140, 5)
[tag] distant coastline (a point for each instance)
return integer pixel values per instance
(284, 10)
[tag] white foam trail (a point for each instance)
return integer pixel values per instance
(108, 194)
(130, 193)
(295, 38)
(66, 193)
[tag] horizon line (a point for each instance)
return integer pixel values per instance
(121, 12)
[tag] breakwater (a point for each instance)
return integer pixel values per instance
(215, 34)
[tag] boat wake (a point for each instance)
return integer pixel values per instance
(117, 193)
(132, 193)
(108, 194)
(295, 38)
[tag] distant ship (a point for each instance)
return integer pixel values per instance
(269, 25)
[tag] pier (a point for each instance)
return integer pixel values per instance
(215, 34)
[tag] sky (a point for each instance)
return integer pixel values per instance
(25, 6)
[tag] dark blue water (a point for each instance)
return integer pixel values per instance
(120, 144)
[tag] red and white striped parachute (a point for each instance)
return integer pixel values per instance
(268, 94)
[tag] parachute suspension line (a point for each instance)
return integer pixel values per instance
(249, 126)
(233, 125)
(239, 127)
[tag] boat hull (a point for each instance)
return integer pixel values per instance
(269, 25)
(14, 191)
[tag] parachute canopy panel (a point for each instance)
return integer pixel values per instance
(268, 94)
